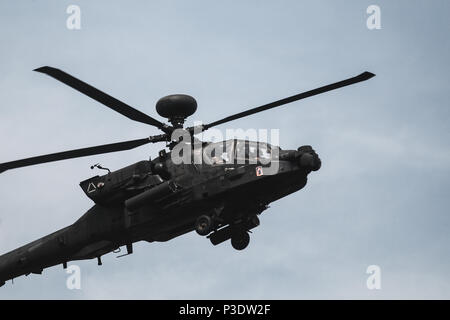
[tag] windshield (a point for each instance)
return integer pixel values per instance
(254, 152)
(239, 151)
(219, 153)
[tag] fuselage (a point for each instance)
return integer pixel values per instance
(158, 200)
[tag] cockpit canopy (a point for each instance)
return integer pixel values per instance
(238, 152)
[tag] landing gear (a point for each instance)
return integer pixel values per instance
(240, 240)
(204, 225)
(238, 232)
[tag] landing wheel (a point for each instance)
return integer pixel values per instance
(203, 225)
(240, 240)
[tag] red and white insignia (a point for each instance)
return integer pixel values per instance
(259, 171)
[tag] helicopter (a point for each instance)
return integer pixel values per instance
(159, 199)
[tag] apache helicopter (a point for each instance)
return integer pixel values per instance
(158, 200)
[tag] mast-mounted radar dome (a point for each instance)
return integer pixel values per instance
(176, 108)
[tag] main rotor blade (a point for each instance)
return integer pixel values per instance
(106, 148)
(102, 97)
(362, 77)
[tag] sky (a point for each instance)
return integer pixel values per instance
(380, 198)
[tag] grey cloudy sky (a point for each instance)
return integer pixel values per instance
(381, 196)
